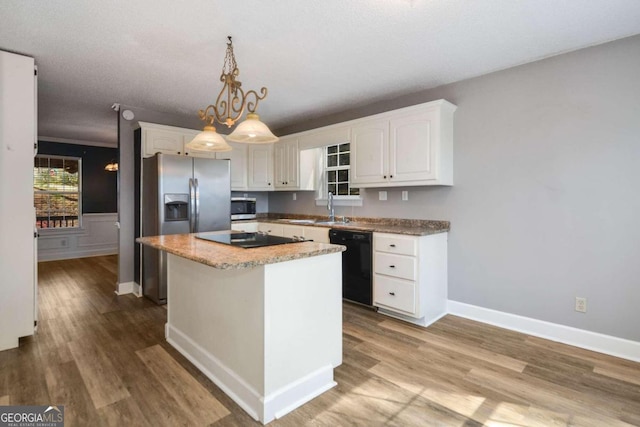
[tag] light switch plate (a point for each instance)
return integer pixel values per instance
(382, 195)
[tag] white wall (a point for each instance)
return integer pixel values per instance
(546, 200)
(98, 236)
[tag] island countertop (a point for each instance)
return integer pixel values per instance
(226, 257)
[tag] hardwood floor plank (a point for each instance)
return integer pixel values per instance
(452, 345)
(101, 379)
(456, 372)
(188, 392)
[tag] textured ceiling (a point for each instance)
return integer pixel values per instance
(316, 57)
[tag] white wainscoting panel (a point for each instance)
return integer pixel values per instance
(98, 236)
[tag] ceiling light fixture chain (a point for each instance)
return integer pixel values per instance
(232, 100)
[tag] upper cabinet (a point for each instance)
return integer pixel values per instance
(287, 164)
(239, 159)
(169, 140)
(411, 146)
(260, 170)
(405, 147)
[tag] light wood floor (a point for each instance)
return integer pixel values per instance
(105, 359)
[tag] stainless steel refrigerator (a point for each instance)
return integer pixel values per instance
(180, 194)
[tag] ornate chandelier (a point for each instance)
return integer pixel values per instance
(229, 107)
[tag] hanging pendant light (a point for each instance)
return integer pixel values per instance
(112, 166)
(252, 131)
(208, 140)
(231, 103)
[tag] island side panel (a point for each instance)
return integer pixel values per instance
(216, 319)
(303, 330)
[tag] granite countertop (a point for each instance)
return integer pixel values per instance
(412, 227)
(226, 257)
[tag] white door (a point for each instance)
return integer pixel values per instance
(238, 157)
(261, 167)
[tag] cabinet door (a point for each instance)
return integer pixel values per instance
(369, 152)
(280, 164)
(261, 167)
(412, 147)
(238, 157)
(286, 164)
(186, 138)
(160, 141)
(271, 228)
(317, 234)
(292, 164)
(292, 231)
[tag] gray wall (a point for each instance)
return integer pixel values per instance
(546, 200)
(126, 180)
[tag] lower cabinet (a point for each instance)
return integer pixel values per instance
(317, 234)
(410, 276)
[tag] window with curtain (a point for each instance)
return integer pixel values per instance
(57, 191)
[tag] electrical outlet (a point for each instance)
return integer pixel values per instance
(405, 195)
(581, 304)
(382, 195)
(295, 197)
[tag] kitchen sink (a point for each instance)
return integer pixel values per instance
(330, 222)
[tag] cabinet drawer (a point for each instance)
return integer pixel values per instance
(395, 265)
(393, 293)
(402, 245)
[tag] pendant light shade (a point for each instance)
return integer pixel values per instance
(252, 131)
(208, 140)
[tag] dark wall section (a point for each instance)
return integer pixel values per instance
(99, 187)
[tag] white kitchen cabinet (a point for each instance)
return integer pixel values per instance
(271, 228)
(260, 170)
(410, 276)
(410, 146)
(169, 140)
(286, 164)
(238, 158)
(18, 140)
(247, 227)
(309, 232)
(370, 152)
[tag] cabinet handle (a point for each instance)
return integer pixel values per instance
(392, 266)
(390, 176)
(392, 294)
(269, 184)
(384, 176)
(178, 152)
(392, 245)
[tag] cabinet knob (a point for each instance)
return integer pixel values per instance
(392, 293)
(178, 152)
(269, 183)
(392, 245)
(390, 176)
(392, 266)
(384, 176)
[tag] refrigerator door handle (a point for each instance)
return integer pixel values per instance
(192, 209)
(197, 190)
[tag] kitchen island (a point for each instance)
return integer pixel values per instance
(264, 324)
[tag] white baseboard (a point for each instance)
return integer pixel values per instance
(85, 253)
(261, 408)
(423, 321)
(128, 288)
(594, 341)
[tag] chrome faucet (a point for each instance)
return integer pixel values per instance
(332, 213)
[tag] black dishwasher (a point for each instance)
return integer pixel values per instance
(356, 264)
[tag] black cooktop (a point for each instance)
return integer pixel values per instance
(246, 240)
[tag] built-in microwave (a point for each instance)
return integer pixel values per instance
(243, 208)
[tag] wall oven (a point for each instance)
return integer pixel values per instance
(243, 208)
